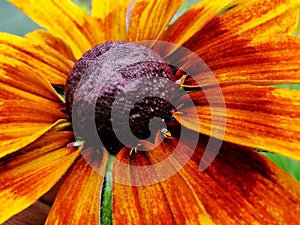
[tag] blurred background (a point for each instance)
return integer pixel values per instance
(15, 22)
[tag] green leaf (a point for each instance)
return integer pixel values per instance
(289, 165)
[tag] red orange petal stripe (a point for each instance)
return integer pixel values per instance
(165, 202)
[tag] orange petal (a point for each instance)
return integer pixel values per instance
(150, 18)
(193, 20)
(44, 37)
(112, 16)
(19, 81)
(259, 117)
(22, 122)
(164, 202)
(65, 20)
(248, 19)
(239, 186)
(242, 185)
(79, 198)
(26, 176)
(264, 61)
(43, 60)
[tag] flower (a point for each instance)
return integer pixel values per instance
(247, 46)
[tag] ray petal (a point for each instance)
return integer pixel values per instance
(64, 19)
(163, 202)
(240, 185)
(260, 117)
(18, 81)
(22, 122)
(266, 60)
(79, 197)
(40, 57)
(27, 175)
(36, 213)
(53, 42)
(112, 15)
(150, 18)
(193, 20)
(248, 19)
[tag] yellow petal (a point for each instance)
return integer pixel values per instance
(259, 117)
(26, 176)
(43, 60)
(22, 122)
(112, 17)
(266, 60)
(248, 19)
(64, 19)
(79, 198)
(56, 43)
(150, 18)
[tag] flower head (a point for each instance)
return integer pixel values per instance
(143, 121)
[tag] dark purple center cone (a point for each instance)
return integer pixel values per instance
(117, 89)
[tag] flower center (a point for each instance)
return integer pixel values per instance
(117, 89)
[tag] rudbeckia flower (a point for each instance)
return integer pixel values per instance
(202, 165)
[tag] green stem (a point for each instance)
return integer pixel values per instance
(106, 206)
